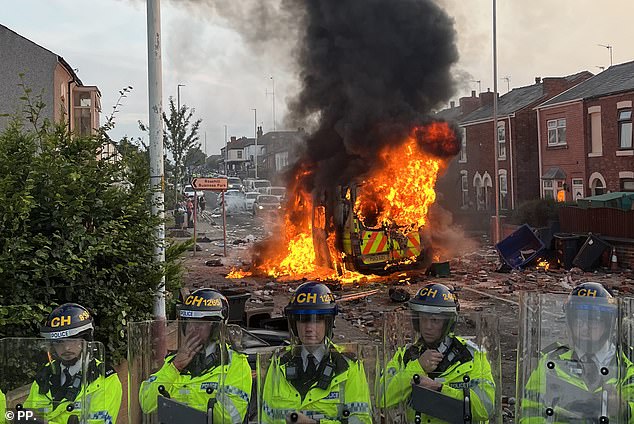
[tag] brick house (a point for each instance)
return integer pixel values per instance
(281, 152)
(65, 97)
(585, 137)
(516, 145)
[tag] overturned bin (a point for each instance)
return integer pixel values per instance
(520, 248)
(589, 255)
(566, 248)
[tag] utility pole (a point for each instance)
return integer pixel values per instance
(178, 96)
(226, 154)
(496, 233)
(609, 47)
(255, 126)
(156, 150)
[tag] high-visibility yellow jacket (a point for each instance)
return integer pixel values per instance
(395, 387)
(3, 407)
(99, 402)
(545, 387)
(348, 390)
(232, 397)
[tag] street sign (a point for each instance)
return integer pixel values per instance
(213, 184)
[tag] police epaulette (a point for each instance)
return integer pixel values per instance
(339, 359)
(109, 371)
(555, 348)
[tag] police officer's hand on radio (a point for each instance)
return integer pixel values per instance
(430, 359)
(298, 417)
(429, 383)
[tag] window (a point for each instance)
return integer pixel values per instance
(627, 184)
(464, 185)
(463, 147)
(281, 161)
(625, 129)
(598, 187)
(239, 154)
(549, 192)
(503, 190)
(557, 132)
(596, 143)
(501, 140)
(82, 114)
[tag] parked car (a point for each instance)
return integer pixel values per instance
(189, 191)
(279, 192)
(236, 201)
(266, 203)
(234, 183)
(250, 199)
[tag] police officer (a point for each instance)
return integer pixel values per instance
(439, 358)
(56, 394)
(313, 381)
(581, 379)
(194, 374)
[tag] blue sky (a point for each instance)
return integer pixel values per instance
(225, 79)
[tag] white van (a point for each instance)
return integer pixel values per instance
(261, 186)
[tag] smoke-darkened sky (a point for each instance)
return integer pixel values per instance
(226, 57)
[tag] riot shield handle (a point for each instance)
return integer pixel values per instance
(417, 417)
(163, 391)
(467, 399)
(210, 410)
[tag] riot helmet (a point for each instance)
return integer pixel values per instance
(312, 302)
(591, 313)
(68, 327)
(68, 321)
(203, 312)
(434, 313)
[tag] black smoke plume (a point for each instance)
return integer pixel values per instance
(370, 71)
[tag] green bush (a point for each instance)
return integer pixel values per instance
(76, 229)
(536, 213)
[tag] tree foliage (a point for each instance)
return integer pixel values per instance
(180, 136)
(76, 228)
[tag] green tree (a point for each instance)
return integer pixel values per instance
(195, 158)
(180, 136)
(76, 228)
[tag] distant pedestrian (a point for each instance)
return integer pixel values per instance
(202, 204)
(190, 213)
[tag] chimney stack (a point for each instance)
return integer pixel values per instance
(452, 104)
(538, 80)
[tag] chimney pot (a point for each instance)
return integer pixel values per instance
(538, 80)
(473, 93)
(452, 104)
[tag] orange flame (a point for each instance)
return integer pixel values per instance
(238, 273)
(397, 193)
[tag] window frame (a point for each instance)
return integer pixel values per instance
(558, 128)
(501, 142)
(464, 188)
(620, 124)
(463, 147)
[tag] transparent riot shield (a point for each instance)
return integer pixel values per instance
(322, 382)
(574, 359)
(52, 381)
(440, 370)
(177, 372)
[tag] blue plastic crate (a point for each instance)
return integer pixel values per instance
(520, 248)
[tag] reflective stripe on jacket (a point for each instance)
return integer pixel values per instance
(396, 384)
(348, 390)
(547, 388)
(232, 397)
(102, 399)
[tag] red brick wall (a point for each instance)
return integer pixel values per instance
(525, 156)
(571, 157)
(609, 164)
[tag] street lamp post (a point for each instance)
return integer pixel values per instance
(496, 233)
(178, 96)
(255, 127)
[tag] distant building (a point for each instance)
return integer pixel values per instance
(65, 97)
(585, 137)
